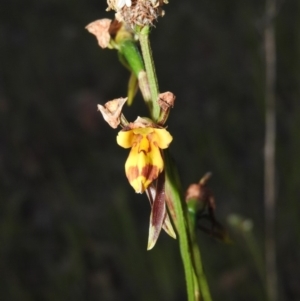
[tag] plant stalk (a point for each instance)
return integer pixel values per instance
(197, 287)
(172, 193)
(269, 152)
(150, 70)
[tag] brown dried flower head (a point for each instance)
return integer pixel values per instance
(137, 12)
(112, 111)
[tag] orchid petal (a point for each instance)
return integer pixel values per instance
(163, 138)
(143, 167)
(167, 225)
(145, 162)
(125, 138)
(157, 213)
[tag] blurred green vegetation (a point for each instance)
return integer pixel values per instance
(71, 228)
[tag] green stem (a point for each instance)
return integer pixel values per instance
(202, 281)
(257, 256)
(150, 70)
(172, 191)
(204, 288)
(190, 253)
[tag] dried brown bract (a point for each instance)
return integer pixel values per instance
(100, 28)
(166, 100)
(112, 111)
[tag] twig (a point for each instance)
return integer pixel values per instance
(269, 153)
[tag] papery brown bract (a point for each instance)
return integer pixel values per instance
(112, 111)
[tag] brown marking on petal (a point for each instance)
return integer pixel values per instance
(150, 172)
(132, 173)
(150, 138)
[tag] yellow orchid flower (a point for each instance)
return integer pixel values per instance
(144, 162)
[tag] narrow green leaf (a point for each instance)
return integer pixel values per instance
(133, 58)
(132, 88)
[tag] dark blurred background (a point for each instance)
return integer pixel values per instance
(71, 228)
